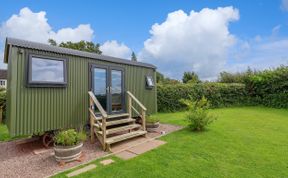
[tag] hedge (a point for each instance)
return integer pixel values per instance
(268, 88)
(219, 95)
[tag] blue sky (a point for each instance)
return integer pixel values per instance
(256, 30)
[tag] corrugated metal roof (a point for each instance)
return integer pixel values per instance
(56, 49)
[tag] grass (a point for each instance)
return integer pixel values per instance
(4, 134)
(244, 142)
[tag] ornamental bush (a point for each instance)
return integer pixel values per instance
(69, 137)
(198, 114)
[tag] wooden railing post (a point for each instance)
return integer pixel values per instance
(104, 132)
(143, 109)
(93, 118)
(129, 106)
(143, 113)
(92, 122)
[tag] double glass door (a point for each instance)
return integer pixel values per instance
(108, 87)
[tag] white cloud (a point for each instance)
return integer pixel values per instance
(284, 5)
(113, 48)
(34, 26)
(27, 25)
(2, 64)
(275, 31)
(82, 32)
(198, 41)
(268, 53)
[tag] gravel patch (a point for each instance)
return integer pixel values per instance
(28, 160)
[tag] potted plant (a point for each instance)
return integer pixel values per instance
(68, 145)
(152, 123)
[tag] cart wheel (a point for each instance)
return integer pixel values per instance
(47, 139)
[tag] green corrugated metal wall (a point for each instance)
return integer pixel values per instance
(33, 110)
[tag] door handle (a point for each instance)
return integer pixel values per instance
(108, 89)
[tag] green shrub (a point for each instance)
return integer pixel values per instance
(219, 95)
(69, 137)
(198, 114)
(3, 99)
(152, 119)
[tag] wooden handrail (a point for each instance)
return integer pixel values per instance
(96, 102)
(93, 118)
(143, 109)
(136, 100)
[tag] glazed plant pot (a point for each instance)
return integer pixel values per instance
(68, 153)
(152, 126)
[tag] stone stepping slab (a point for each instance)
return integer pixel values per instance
(107, 162)
(82, 170)
(140, 149)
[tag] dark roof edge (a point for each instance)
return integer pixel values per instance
(56, 49)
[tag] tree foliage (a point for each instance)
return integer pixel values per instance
(81, 46)
(133, 57)
(190, 77)
(160, 78)
(239, 77)
(52, 42)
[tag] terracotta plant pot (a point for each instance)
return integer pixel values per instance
(67, 153)
(152, 126)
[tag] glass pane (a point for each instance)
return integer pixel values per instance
(100, 86)
(150, 82)
(116, 90)
(46, 70)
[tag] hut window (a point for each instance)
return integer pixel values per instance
(46, 71)
(149, 82)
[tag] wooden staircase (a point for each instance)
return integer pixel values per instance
(110, 129)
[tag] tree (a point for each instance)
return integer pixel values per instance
(159, 77)
(190, 77)
(81, 46)
(52, 42)
(238, 77)
(133, 57)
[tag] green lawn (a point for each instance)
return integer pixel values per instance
(244, 142)
(4, 134)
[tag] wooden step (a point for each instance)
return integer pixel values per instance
(118, 115)
(116, 122)
(126, 136)
(120, 129)
(120, 121)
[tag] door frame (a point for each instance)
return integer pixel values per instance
(108, 69)
(123, 101)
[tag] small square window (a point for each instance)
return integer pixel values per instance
(149, 82)
(46, 71)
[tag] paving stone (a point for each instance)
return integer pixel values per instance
(125, 155)
(41, 151)
(147, 146)
(82, 170)
(107, 161)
